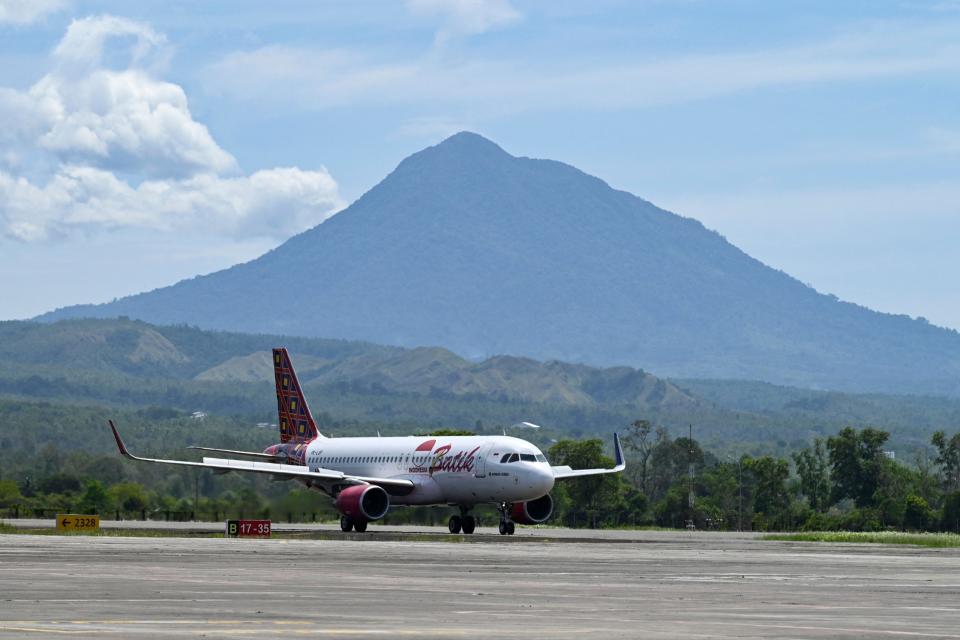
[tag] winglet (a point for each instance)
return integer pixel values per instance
(120, 445)
(618, 453)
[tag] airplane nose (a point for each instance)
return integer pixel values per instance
(544, 479)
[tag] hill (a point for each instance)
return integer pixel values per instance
(128, 352)
(356, 388)
(469, 248)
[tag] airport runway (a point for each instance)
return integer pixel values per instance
(650, 585)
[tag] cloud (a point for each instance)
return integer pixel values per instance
(84, 41)
(28, 11)
(465, 17)
(126, 120)
(73, 140)
(315, 79)
(274, 203)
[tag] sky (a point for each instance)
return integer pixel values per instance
(144, 143)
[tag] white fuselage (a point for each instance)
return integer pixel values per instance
(462, 470)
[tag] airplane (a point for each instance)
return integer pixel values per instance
(365, 476)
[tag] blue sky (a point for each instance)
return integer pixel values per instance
(144, 143)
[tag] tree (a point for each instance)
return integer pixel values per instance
(592, 497)
(129, 496)
(857, 465)
(9, 493)
(950, 520)
(917, 515)
(639, 441)
(948, 459)
(670, 461)
(812, 468)
(770, 496)
(95, 498)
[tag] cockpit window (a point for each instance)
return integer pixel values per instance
(528, 457)
(509, 457)
(541, 457)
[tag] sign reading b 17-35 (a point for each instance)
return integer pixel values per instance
(77, 522)
(248, 528)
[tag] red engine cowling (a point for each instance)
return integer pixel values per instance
(532, 511)
(363, 502)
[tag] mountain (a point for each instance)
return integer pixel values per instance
(122, 351)
(469, 248)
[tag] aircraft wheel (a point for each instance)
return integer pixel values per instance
(346, 524)
(503, 528)
(510, 528)
(469, 524)
(454, 524)
(360, 526)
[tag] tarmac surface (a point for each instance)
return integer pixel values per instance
(545, 583)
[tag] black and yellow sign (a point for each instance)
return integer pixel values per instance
(77, 522)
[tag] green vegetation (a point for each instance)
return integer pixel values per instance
(58, 458)
(797, 465)
(884, 537)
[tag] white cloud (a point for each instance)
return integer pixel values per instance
(316, 78)
(465, 17)
(84, 126)
(28, 11)
(126, 120)
(274, 203)
(83, 44)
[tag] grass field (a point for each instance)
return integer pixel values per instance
(883, 537)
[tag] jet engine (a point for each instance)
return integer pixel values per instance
(533, 511)
(363, 502)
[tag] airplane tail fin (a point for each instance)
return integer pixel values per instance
(296, 422)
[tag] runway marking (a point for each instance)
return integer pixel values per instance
(861, 630)
(224, 627)
(69, 632)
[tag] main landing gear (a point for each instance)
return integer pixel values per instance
(507, 527)
(463, 522)
(347, 524)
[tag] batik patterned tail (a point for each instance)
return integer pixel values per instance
(296, 423)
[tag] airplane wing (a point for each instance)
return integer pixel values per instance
(562, 472)
(325, 478)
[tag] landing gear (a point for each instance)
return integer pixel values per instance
(507, 527)
(347, 524)
(455, 524)
(463, 522)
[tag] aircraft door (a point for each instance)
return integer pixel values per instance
(480, 466)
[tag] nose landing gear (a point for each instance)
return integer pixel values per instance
(507, 527)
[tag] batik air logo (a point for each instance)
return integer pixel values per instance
(440, 459)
